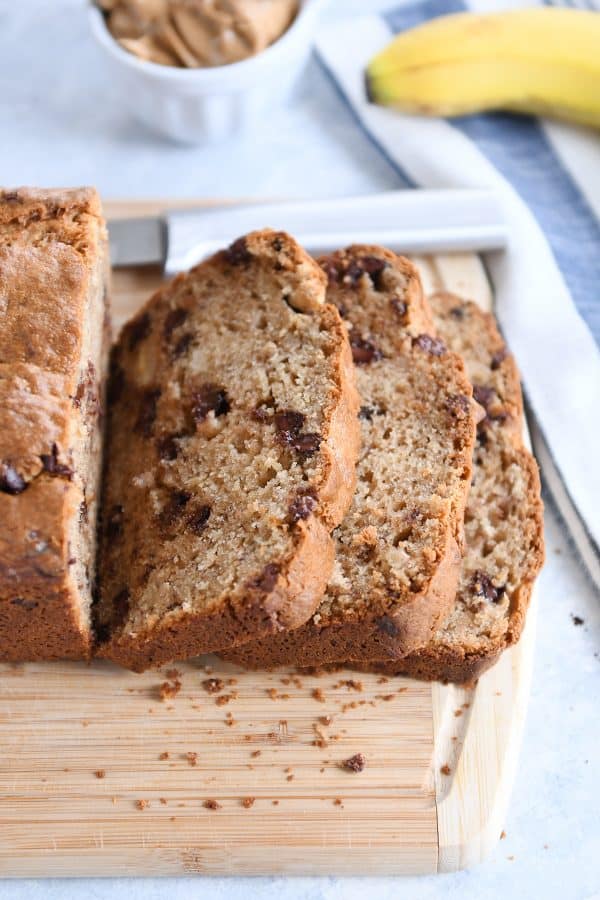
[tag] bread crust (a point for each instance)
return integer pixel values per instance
(53, 247)
(382, 628)
(302, 572)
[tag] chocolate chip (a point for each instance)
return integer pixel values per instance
(388, 626)
(483, 395)
(237, 254)
(137, 330)
(209, 398)
(114, 522)
(182, 346)
(277, 245)
(174, 318)
(10, 480)
(53, 467)
(458, 312)
(24, 604)
(484, 587)
(354, 272)
(306, 444)
(355, 763)
(289, 421)
(167, 446)
(366, 412)
(498, 358)
(458, 405)
(363, 350)
(83, 512)
(260, 414)
(430, 344)
(267, 579)
(197, 521)
(399, 307)
(301, 507)
(374, 266)
(11, 197)
(174, 507)
(147, 411)
(120, 608)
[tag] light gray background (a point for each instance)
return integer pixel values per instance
(60, 124)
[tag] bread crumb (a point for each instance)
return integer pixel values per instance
(212, 685)
(275, 802)
(354, 763)
(211, 804)
(223, 699)
(458, 712)
(164, 755)
(173, 673)
(350, 683)
(247, 802)
(445, 769)
(382, 680)
(502, 835)
(142, 804)
(100, 773)
(325, 720)
(338, 802)
(317, 694)
(192, 758)
(231, 681)
(577, 620)
(169, 689)
(229, 720)
(386, 697)
(256, 753)
(290, 778)
(510, 858)
(272, 693)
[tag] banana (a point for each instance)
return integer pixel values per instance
(544, 61)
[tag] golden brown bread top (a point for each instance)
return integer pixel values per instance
(49, 243)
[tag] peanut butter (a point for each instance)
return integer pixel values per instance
(197, 33)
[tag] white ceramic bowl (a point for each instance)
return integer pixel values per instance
(206, 105)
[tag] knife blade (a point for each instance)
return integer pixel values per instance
(409, 221)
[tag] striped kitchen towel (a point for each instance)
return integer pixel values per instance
(547, 282)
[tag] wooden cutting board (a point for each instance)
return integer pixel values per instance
(100, 776)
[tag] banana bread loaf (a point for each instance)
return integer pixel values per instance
(397, 550)
(54, 341)
(232, 447)
(504, 515)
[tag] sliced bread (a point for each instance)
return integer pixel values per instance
(232, 447)
(503, 518)
(54, 341)
(397, 550)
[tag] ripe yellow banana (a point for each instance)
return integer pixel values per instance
(543, 60)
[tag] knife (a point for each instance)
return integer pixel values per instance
(409, 221)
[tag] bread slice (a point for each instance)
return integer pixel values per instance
(504, 515)
(397, 550)
(54, 341)
(232, 452)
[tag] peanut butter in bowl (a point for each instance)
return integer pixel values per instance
(197, 33)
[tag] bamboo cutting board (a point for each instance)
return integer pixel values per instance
(104, 772)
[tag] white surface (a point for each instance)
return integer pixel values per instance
(59, 125)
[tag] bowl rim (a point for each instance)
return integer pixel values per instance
(309, 9)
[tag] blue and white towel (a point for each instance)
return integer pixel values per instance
(547, 282)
